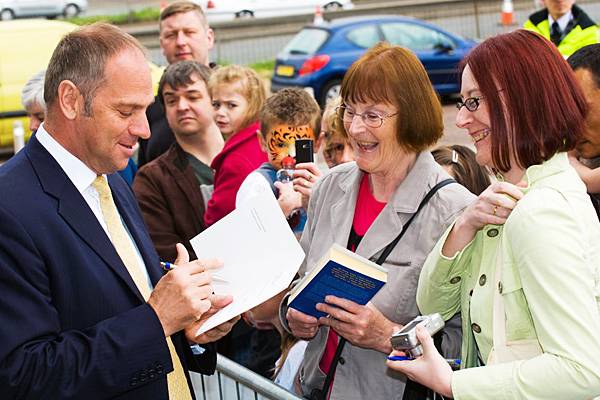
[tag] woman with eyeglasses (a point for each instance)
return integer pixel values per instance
(391, 116)
(522, 263)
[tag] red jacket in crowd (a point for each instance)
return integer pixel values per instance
(240, 156)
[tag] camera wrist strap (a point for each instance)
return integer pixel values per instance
(322, 394)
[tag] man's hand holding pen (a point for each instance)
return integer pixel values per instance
(183, 298)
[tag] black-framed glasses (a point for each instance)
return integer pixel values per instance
(371, 119)
(472, 103)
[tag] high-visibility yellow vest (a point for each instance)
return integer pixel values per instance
(584, 31)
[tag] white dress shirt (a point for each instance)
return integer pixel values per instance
(562, 21)
(82, 177)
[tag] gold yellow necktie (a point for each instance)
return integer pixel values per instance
(177, 383)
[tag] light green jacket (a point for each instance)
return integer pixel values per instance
(550, 286)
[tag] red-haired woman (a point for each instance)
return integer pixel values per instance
(521, 263)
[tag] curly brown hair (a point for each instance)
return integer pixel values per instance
(292, 106)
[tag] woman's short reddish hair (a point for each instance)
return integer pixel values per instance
(394, 75)
(530, 90)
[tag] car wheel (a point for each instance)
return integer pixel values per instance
(7, 14)
(333, 6)
(244, 14)
(330, 91)
(71, 10)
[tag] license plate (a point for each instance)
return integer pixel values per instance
(285, 70)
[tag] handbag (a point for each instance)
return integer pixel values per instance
(504, 351)
(321, 394)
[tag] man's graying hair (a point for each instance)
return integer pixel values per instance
(81, 57)
(180, 74)
(33, 91)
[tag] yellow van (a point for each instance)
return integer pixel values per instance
(25, 48)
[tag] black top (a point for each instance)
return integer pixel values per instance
(203, 172)
(595, 198)
(162, 136)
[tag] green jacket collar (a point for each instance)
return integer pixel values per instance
(556, 164)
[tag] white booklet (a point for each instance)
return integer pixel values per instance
(260, 253)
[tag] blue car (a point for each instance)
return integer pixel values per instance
(319, 55)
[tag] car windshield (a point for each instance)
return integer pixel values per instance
(307, 41)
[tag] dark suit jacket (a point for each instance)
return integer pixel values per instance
(162, 136)
(72, 322)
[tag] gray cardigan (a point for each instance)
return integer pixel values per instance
(363, 373)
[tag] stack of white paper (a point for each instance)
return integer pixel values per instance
(260, 253)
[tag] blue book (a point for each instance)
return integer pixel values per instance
(341, 273)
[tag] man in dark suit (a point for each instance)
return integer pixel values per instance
(184, 36)
(84, 310)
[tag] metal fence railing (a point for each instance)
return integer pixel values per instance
(231, 381)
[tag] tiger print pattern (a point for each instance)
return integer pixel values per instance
(281, 141)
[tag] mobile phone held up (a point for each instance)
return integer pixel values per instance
(304, 151)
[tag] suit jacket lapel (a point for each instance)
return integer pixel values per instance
(382, 232)
(341, 211)
(75, 211)
(136, 227)
(400, 208)
(187, 183)
(386, 226)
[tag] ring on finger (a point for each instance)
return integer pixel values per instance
(495, 211)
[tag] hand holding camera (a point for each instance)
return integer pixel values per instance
(406, 339)
(422, 362)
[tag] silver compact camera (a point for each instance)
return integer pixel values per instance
(406, 339)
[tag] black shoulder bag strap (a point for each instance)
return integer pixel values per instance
(321, 394)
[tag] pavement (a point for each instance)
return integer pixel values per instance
(453, 134)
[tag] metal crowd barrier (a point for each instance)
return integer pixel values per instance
(232, 381)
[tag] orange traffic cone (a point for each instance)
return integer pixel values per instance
(507, 17)
(318, 20)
